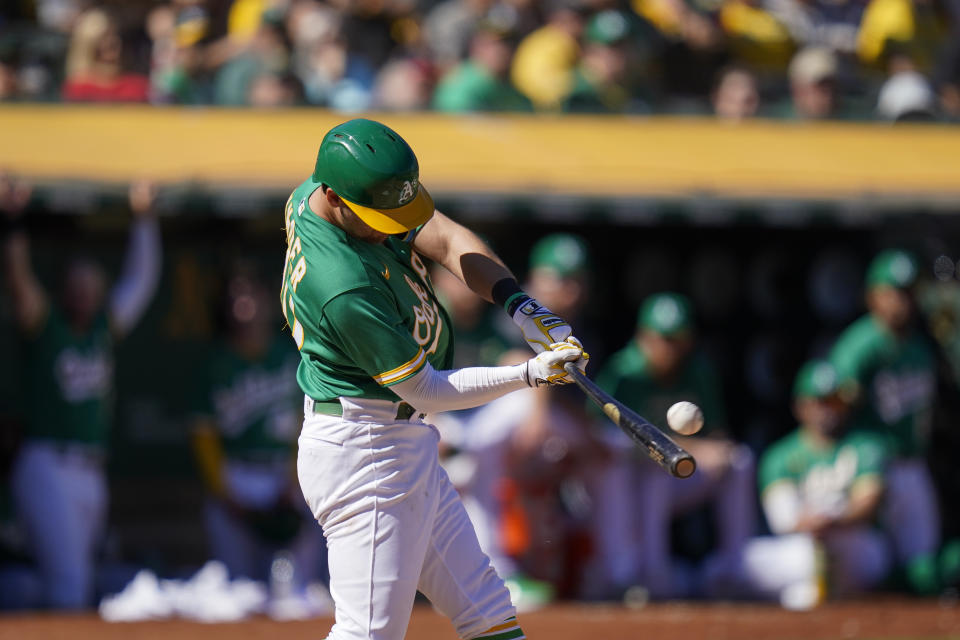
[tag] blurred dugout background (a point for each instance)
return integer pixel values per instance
(767, 225)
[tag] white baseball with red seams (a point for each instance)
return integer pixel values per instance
(685, 418)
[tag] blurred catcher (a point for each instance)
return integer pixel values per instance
(376, 351)
(59, 479)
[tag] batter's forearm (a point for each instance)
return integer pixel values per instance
(463, 253)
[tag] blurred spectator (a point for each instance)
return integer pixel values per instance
(691, 50)
(636, 500)
(819, 23)
(755, 36)
(480, 83)
(906, 96)
(736, 97)
(331, 74)
(94, 71)
(892, 365)
(274, 90)
(814, 89)
(244, 438)
(601, 81)
(449, 28)
(908, 28)
(822, 487)
(543, 64)
(403, 85)
(265, 53)
(59, 476)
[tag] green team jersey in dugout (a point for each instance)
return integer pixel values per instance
(897, 380)
(254, 403)
(823, 474)
(364, 316)
(628, 377)
(69, 381)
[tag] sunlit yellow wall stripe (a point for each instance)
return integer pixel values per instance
(615, 156)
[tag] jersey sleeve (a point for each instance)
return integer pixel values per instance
(773, 467)
(368, 329)
(850, 354)
(872, 455)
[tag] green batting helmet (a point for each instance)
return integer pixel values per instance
(375, 173)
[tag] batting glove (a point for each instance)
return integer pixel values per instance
(547, 367)
(540, 326)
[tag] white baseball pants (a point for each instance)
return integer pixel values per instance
(61, 498)
(394, 524)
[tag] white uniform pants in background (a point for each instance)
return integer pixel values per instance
(787, 568)
(911, 514)
(60, 494)
(394, 524)
(636, 503)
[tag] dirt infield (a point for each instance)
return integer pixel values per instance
(874, 620)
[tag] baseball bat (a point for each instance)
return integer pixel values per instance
(658, 445)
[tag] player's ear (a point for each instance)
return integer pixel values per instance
(332, 198)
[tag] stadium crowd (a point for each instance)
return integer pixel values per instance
(564, 504)
(790, 59)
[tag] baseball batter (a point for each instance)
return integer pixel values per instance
(375, 349)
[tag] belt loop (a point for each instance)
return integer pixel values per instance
(307, 405)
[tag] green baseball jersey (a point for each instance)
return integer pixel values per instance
(824, 474)
(69, 381)
(254, 403)
(629, 378)
(364, 316)
(897, 379)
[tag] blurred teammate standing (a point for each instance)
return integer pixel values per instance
(249, 410)
(58, 479)
(637, 501)
(894, 369)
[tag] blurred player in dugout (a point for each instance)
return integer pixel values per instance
(636, 500)
(247, 415)
(58, 478)
(892, 366)
(822, 488)
(528, 455)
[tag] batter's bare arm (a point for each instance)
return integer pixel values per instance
(463, 253)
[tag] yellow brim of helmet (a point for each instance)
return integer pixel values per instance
(399, 220)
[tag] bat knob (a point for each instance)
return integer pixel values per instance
(684, 467)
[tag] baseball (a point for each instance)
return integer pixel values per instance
(685, 418)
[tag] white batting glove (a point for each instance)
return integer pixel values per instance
(540, 326)
(547, 367)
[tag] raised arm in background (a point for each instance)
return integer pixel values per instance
(141, 268)
(30, 301)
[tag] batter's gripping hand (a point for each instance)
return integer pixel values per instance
(547, 367)
(540, 326)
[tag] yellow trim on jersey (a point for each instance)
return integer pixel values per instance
(404, 371)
